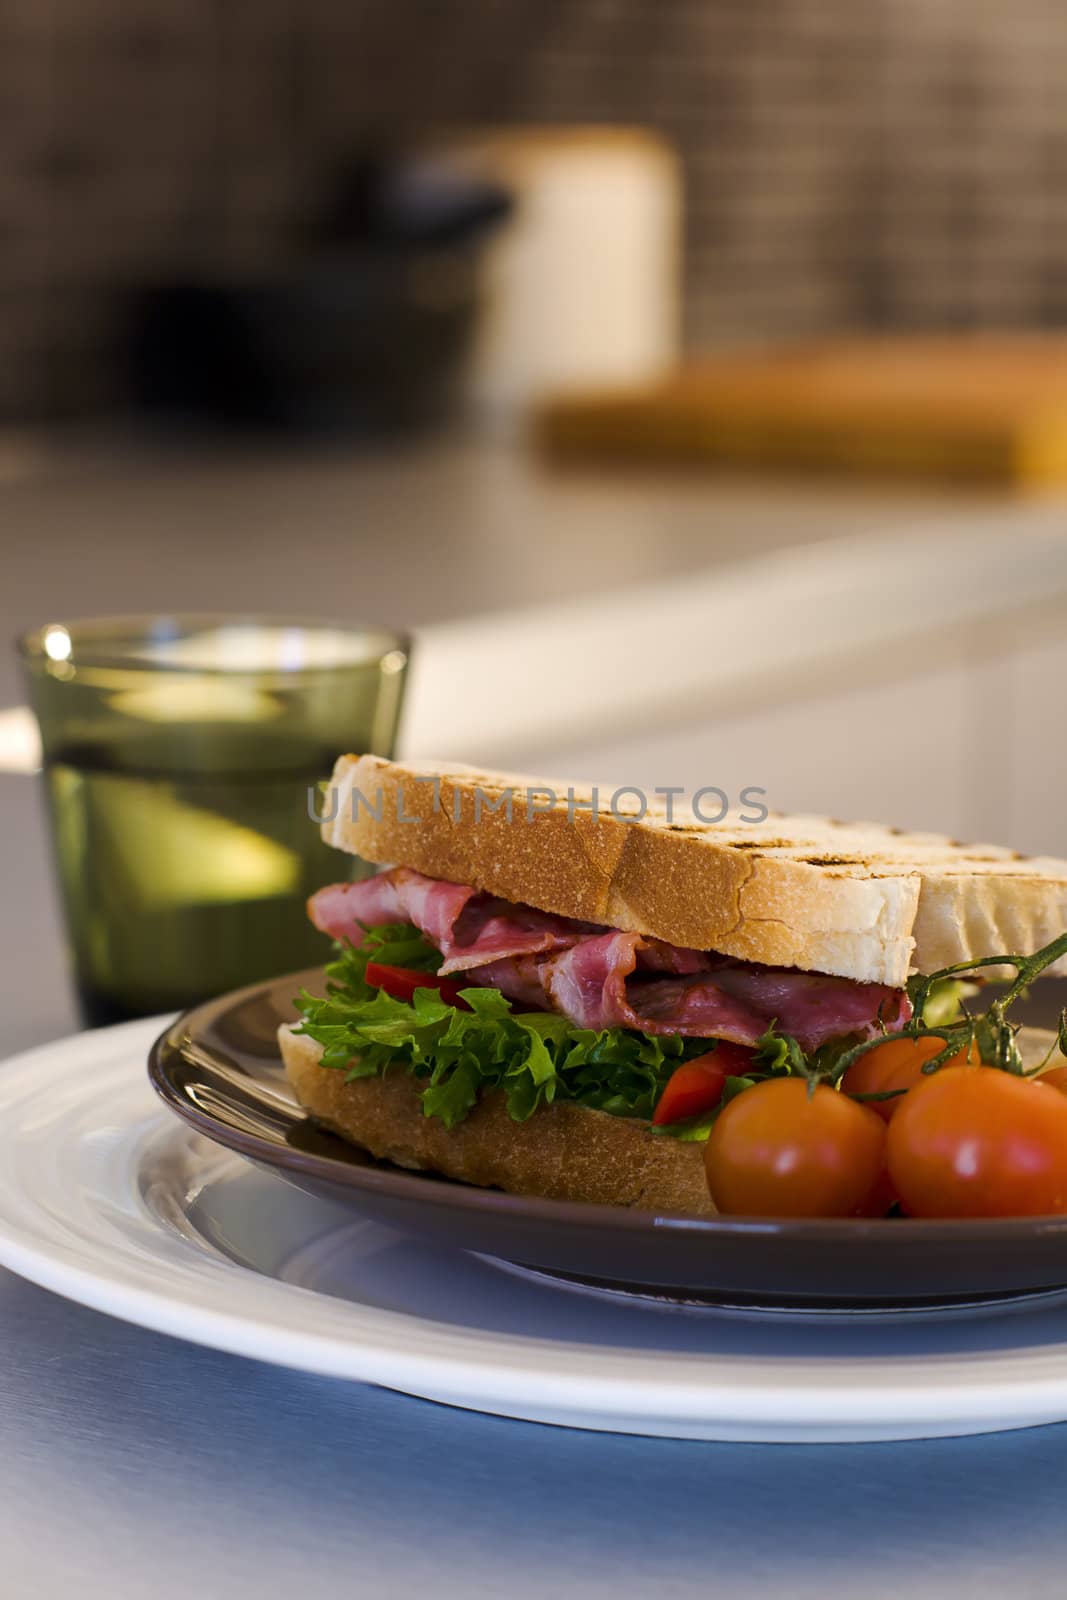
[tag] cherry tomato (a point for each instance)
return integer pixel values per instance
(1054, 1078)
(898, 1064)
(881, 1197)
(696, 1086)
(401, 983)
(779, 1151)
(980, 1142)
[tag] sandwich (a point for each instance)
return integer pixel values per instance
(552, 995)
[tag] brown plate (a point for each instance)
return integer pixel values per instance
(218, 1067)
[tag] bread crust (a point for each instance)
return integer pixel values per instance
(562, 1152)
(858, 900)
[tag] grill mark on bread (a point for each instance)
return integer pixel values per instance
(831, 861)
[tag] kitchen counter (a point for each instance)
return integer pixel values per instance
(413, 536)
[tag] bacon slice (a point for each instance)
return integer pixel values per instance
(590, 985)
(603, 978)
(489, 928)
(468, 928)
(814, 1007)
(597, 984)
(346, 910)
(520, 978)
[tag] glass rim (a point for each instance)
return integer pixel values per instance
(102, 653)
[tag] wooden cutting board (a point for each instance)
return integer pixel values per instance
(983, 407)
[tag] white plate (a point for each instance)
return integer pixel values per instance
(108, 1199)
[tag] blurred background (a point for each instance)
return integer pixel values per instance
(691, 378)
(849, 164)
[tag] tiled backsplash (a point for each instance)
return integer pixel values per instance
(848, 162)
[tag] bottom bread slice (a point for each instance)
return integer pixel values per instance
(562, 1152)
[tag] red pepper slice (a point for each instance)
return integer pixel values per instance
(401, 983)
(695, 1088)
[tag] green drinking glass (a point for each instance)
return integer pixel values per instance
(181, 762)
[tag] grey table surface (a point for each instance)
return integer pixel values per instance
(134, 1465)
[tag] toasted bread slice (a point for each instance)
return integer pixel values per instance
(859, 900)
(562, 1152)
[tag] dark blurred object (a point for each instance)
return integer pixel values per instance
(1043, 1006)
(401, 206)
(365, 329)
